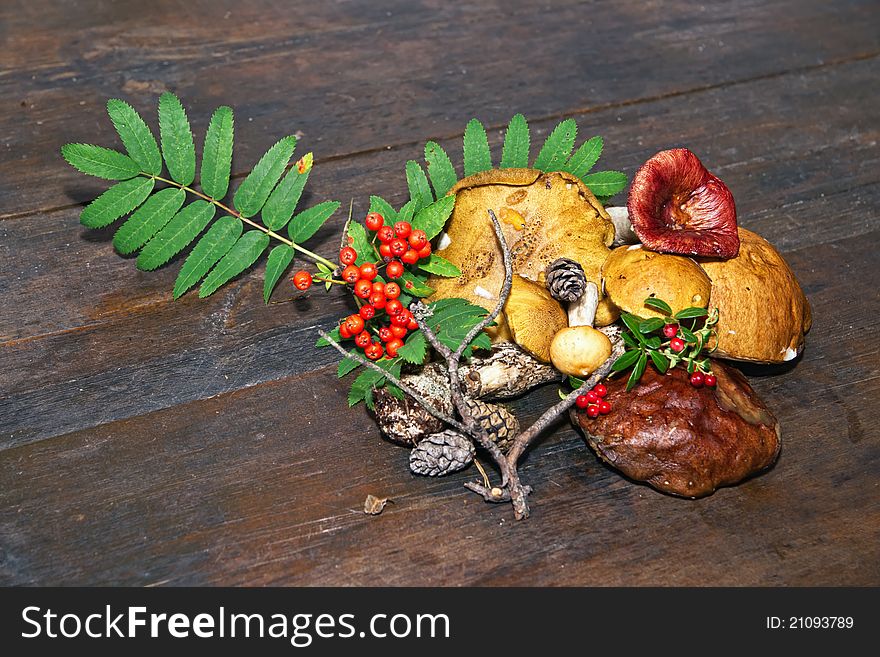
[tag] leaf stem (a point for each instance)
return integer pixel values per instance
(237, 215)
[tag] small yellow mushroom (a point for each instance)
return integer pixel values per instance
(579, 350)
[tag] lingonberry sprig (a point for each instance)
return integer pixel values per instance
(680, 338)
(594, 402)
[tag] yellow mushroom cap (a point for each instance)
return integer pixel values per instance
(579, 350)
(533, 317)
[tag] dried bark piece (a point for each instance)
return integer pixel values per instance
(375, 505)
(441, 454)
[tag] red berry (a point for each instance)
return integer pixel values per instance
(592, 397)
(347, 256)
(377, 300)
(410, 257)
(697, 379)
(351, 274)
(398, 247)
(374, 221)
(367, 312)
(385, 234)
(378, 286)
(385, 251)
(418, 239)
(593, 411)
(363, 340)
(392, 290)
(385, 334)
(363, 288)
(394, 269)
(670, 330)
(709, 380)
(392, 346)
(343, 330)
(402, 318)
(412, 325)
(374, 351)
(676, 344)
(393, 307)
(354, 324)
(600, 390)
(398, 331)
(369, 271)
(425, 252)
(302, 280)
(604, 407)
(581, 401)
(402, 229)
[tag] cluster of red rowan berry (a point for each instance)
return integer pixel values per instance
(594, 401)
(398, 245)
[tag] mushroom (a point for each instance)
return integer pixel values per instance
(632, 274)
(623, 228)
(533, 317)
(579, 349)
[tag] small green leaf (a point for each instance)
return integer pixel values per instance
(361, 243)
(415, 349)
(213, 246)
(689, 313)
(283, 199)
(556, 149)
(118, 200)
(414, 286)
(687, 334)
(242, 255)
(254, 190)
(362, 385)
(306, 223)
(660, 361)
(477, 157)
(383, 207)
(177, 140)
(605, 183)
(584, 158)
(433, 218)
(440, 266)
(440, 169)
(137, 137)
(346, 366)
(629, 340)
(279, 259)
(637, 372)
(407, 212)
(575, 382)
(625, 360)
(183, 228)
(653, 342)
(515, 154)
(632, 323)
(333, 333)
(658, 304)
(148, 219)
(417, 182)
(100, 162)
(650, 325)
(217, 155)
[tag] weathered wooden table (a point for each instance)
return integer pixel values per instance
(146, 441)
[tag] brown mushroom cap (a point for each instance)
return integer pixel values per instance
(632, 274)
(763, 313)
(557, 217)
(533, 317)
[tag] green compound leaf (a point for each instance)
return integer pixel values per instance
(366, 381)
(177, 140)
(135, 135)
(306, 223)
(100, 162)
(556, 149)
(283, 199)
(346, 366)
(440, 169)
(415, 349)
(419, 189)
(279, 259)
(476, 149)
(183, 228)
(118, 200)
(439, 265)
(242, 255)
(515, 154)
(255, 189)
(452, 320)
(213, 246)
(584, 158)
(217, 155)
(605, 183)
(361, 243)
(148, 219)
(432, 218)
(383, 207)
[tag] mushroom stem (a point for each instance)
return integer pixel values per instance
(623, 229)
(583, 311)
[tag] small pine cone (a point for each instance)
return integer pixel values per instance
(501, 425)
(441, 453)
(565, 280)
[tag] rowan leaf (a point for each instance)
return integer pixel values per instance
(417, 182)
(135, 135)
(254, 190)
(605, 183)
(440, 169)
(515, 154)
(118, 200)
(178, 147)
(415, 349)
(148, 219)
(477, 156)
(414, 285)
(440, 266)
(242, 255)
(183, 228)
(557, 147)
(279, 259)
(100, 162)
(383, 207)
(209, 249)
(217, 155)
(282, 201)
(306, 223)
(361, 243)
(433, 218)
(584, 158)
(407, 211)
(452, 319)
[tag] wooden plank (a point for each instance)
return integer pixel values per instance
(265, 486)
(130, 350)
(486, 62)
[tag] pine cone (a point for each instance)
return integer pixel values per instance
(441, 453)
(565, 280)
(501, 425)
